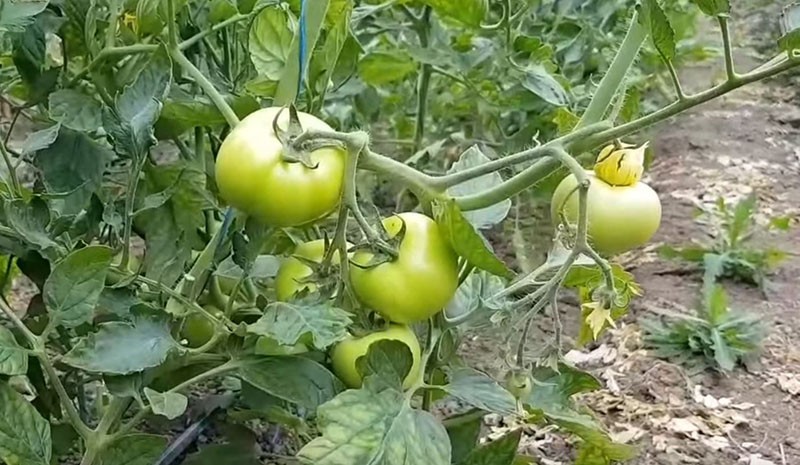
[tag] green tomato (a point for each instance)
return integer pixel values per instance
(115, 276)
(268, 346)
(419, 282)
(292, 271)
(519, 383)
(621, 218)
(197, 329)
(252, 176)
(345, 354)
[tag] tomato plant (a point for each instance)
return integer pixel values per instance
(292, 257)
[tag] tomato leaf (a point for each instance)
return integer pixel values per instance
(297, 380)
(326, 60)
(467, 242)
(480, 391)
(234, 453)
(247, 244)
(33, 58)
(13, 358)
(661, 31)
(287, 322)
(386, 365)
(502, 451)
(171, 229)
(475, 296)
(167, 404)
(538, 80)
(73, 288)
(551, 399)
(124, 347)
(380, 68)
(39, 140)
(72, 165)
(264, 266)
(270, 41)
(133, 449)
(24, 434)
(76, 110)
(29, 220)
(130, 123)
(790, 25)
(464, 430)
(183, 111)
(485, 217)
(288, 88)
(468, 12)
(15, 16)
(362, 426)
(713, 7)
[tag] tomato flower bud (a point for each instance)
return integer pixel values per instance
(621, 165)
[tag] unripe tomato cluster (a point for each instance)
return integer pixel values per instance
(253, 176)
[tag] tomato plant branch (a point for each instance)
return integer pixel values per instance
(681, 106)
(616, 73)
(206, 85)
(727, 46)
(541, 151)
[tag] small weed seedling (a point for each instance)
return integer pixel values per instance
(731, 253)
(717, 337)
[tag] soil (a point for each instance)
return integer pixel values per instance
(748, 141)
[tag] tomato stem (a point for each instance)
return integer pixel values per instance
(726, 43)
(616, 73)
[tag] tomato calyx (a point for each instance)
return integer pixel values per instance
(291, 154)
(621, 164)
(384, 248)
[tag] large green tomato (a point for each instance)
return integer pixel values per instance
(197, 329)
(419, 282)
(621, 218)
(292, 270)
(252, 176)
(345, 354)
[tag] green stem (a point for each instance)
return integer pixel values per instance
(206, 85)
(207, 32)
(100, 438)
(172, 22)
(676, 80)
(511, 187)
(135, 49)
(130, 198)
(66, 402)
(141, 414)
(727, 46)
(111, 31)
(423, 84)
(12, 172)
(681, 106)
(616, 73)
